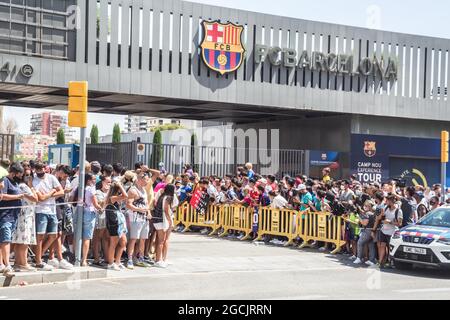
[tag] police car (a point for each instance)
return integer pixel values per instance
(426, 243)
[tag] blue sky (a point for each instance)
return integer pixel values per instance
(430, 18)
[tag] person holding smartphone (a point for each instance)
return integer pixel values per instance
(11, 200)
(391, 218)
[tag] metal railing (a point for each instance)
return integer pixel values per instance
(205, 160)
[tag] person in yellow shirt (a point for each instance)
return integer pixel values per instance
(326, 175)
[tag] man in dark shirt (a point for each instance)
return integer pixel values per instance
(11, 197)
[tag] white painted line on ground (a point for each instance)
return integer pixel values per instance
(167, 273)
(423, 290)
(310, 297)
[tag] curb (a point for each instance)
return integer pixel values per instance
(41, 277)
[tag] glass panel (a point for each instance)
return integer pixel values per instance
(31, 32)
(17, 30)
(17, 14)
(18, 2)
(46, 49)
(32, 3)
(4, 12)
(59, 21)
(32, 16)
(58, 50)
(47, 19)
(59, 36)
(46, 34)
(32, 47)
(17, 45)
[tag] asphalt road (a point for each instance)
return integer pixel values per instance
(211, 268)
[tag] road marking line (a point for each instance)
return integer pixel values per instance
(310, 297)
(423, 290)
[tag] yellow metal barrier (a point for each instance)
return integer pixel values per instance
(325, 227)
(278, 222)
(236, 218)
(301, 229)
(189, 217)
(292, 224)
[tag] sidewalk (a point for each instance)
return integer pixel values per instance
(59, 275)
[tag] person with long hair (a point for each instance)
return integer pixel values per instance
(101, 238)
(138, 216)
(116, 225)
(25, 233)
(91, 206)
(163, 222)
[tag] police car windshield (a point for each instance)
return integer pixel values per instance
(437, 218)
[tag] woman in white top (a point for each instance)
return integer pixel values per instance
(91, 207)
(25, 233)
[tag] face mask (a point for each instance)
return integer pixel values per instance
(40, 175)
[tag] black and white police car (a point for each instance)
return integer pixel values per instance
(425, 243)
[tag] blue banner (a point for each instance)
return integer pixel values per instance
(381, 158)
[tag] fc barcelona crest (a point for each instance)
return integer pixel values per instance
(370, 148)
(222, 48)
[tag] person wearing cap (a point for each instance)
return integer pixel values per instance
(367, 221)
(326, 175)
(306, 199)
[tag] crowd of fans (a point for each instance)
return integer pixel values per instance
(124, 220)
(128, 214)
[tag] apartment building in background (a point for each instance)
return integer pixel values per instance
(35, 146)
(137, 124)
(48, 124)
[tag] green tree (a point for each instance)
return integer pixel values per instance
(60, 137)
(157, 154)
(116, 133)
(194, 148)
(167, 126)
(94, 134)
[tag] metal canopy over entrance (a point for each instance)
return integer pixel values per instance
(145, 57)
(122, 104)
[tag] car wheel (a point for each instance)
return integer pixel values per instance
(402, 265)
